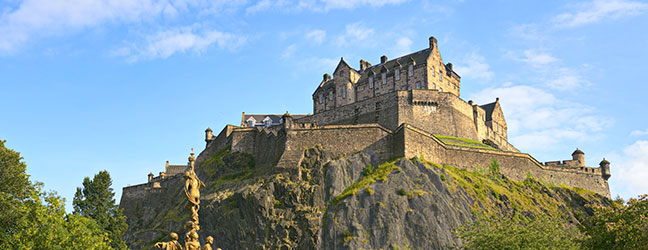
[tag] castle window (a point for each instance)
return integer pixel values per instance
(433, 85)
(250, 123)
(397, 74)
(384, 78)
(441, 89)
(344, 92)
(371, 82)
(440, 76)
(331, 95)
(321, 98)
(433, 72)
(418, 84)
(411, 70)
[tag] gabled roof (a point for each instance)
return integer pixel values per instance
(342, 63)
(419, 57)
(489, 108)
(273, 117)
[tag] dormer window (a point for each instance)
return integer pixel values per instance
(411, 70)
(397, 74)
(384, 78)
(250, 122)
(371, 82)
(267, 122)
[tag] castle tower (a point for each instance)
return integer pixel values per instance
(580, 156)
(287, 120)
(208, 135)
(605, 169)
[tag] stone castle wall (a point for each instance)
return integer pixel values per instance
(440, 113)
(512, 164)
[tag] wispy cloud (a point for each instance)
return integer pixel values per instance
(403, 46)
(354, 32)
(548, 70)
(639, 132)
(598, 10)
(537, 58)
(43, 18)
(316, 5)
(538, 120)
(316, 36)
(289, 51)
(474, 66)
(179, 40)
(630, 170)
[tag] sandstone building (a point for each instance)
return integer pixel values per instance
(404, 107)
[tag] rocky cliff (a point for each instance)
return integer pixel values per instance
(353, 202)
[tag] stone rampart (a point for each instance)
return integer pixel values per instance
(512, 164)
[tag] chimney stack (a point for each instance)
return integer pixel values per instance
(364, 65)
(433, 42)
(327, 77)
(383, 59)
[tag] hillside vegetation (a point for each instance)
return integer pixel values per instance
(353, 202)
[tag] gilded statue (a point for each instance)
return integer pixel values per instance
(192, 242)
(208, 242)
(170, 245)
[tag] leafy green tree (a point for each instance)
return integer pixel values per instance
(33, 219)
(96, 200)
(620, 226)
(543, 232)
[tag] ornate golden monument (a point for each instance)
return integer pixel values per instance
(192, 192)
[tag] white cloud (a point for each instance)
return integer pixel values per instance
(537, 120)
(536, 58)
(599, 10)
(43, 18)
(168, 42)
(354, 32)
(474, 66)
(316, 5)
(639, 132)
(565, 79)
(630, 170)
(403, 46)
(316, 36)
(289, 51)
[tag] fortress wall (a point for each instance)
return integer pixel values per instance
(515, 166)
(377, 110)
(340, 140)
(439, 113)
(222, 140)
(268, 147)
(242, 140)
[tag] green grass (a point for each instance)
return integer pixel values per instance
(370, 176)
(462, 142)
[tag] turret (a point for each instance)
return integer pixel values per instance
(208, 135)
(580, 156)
(605, 169)
(287, 120)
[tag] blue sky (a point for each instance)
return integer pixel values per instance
(125, 85)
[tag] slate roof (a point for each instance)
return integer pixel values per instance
(489, 110)
(276, 119)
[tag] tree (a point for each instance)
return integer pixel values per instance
(33, 219)
(620, 226)
(96, 200)
(542, 232)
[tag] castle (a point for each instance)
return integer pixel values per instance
(404, 107)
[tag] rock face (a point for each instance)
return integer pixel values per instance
(354, 202)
